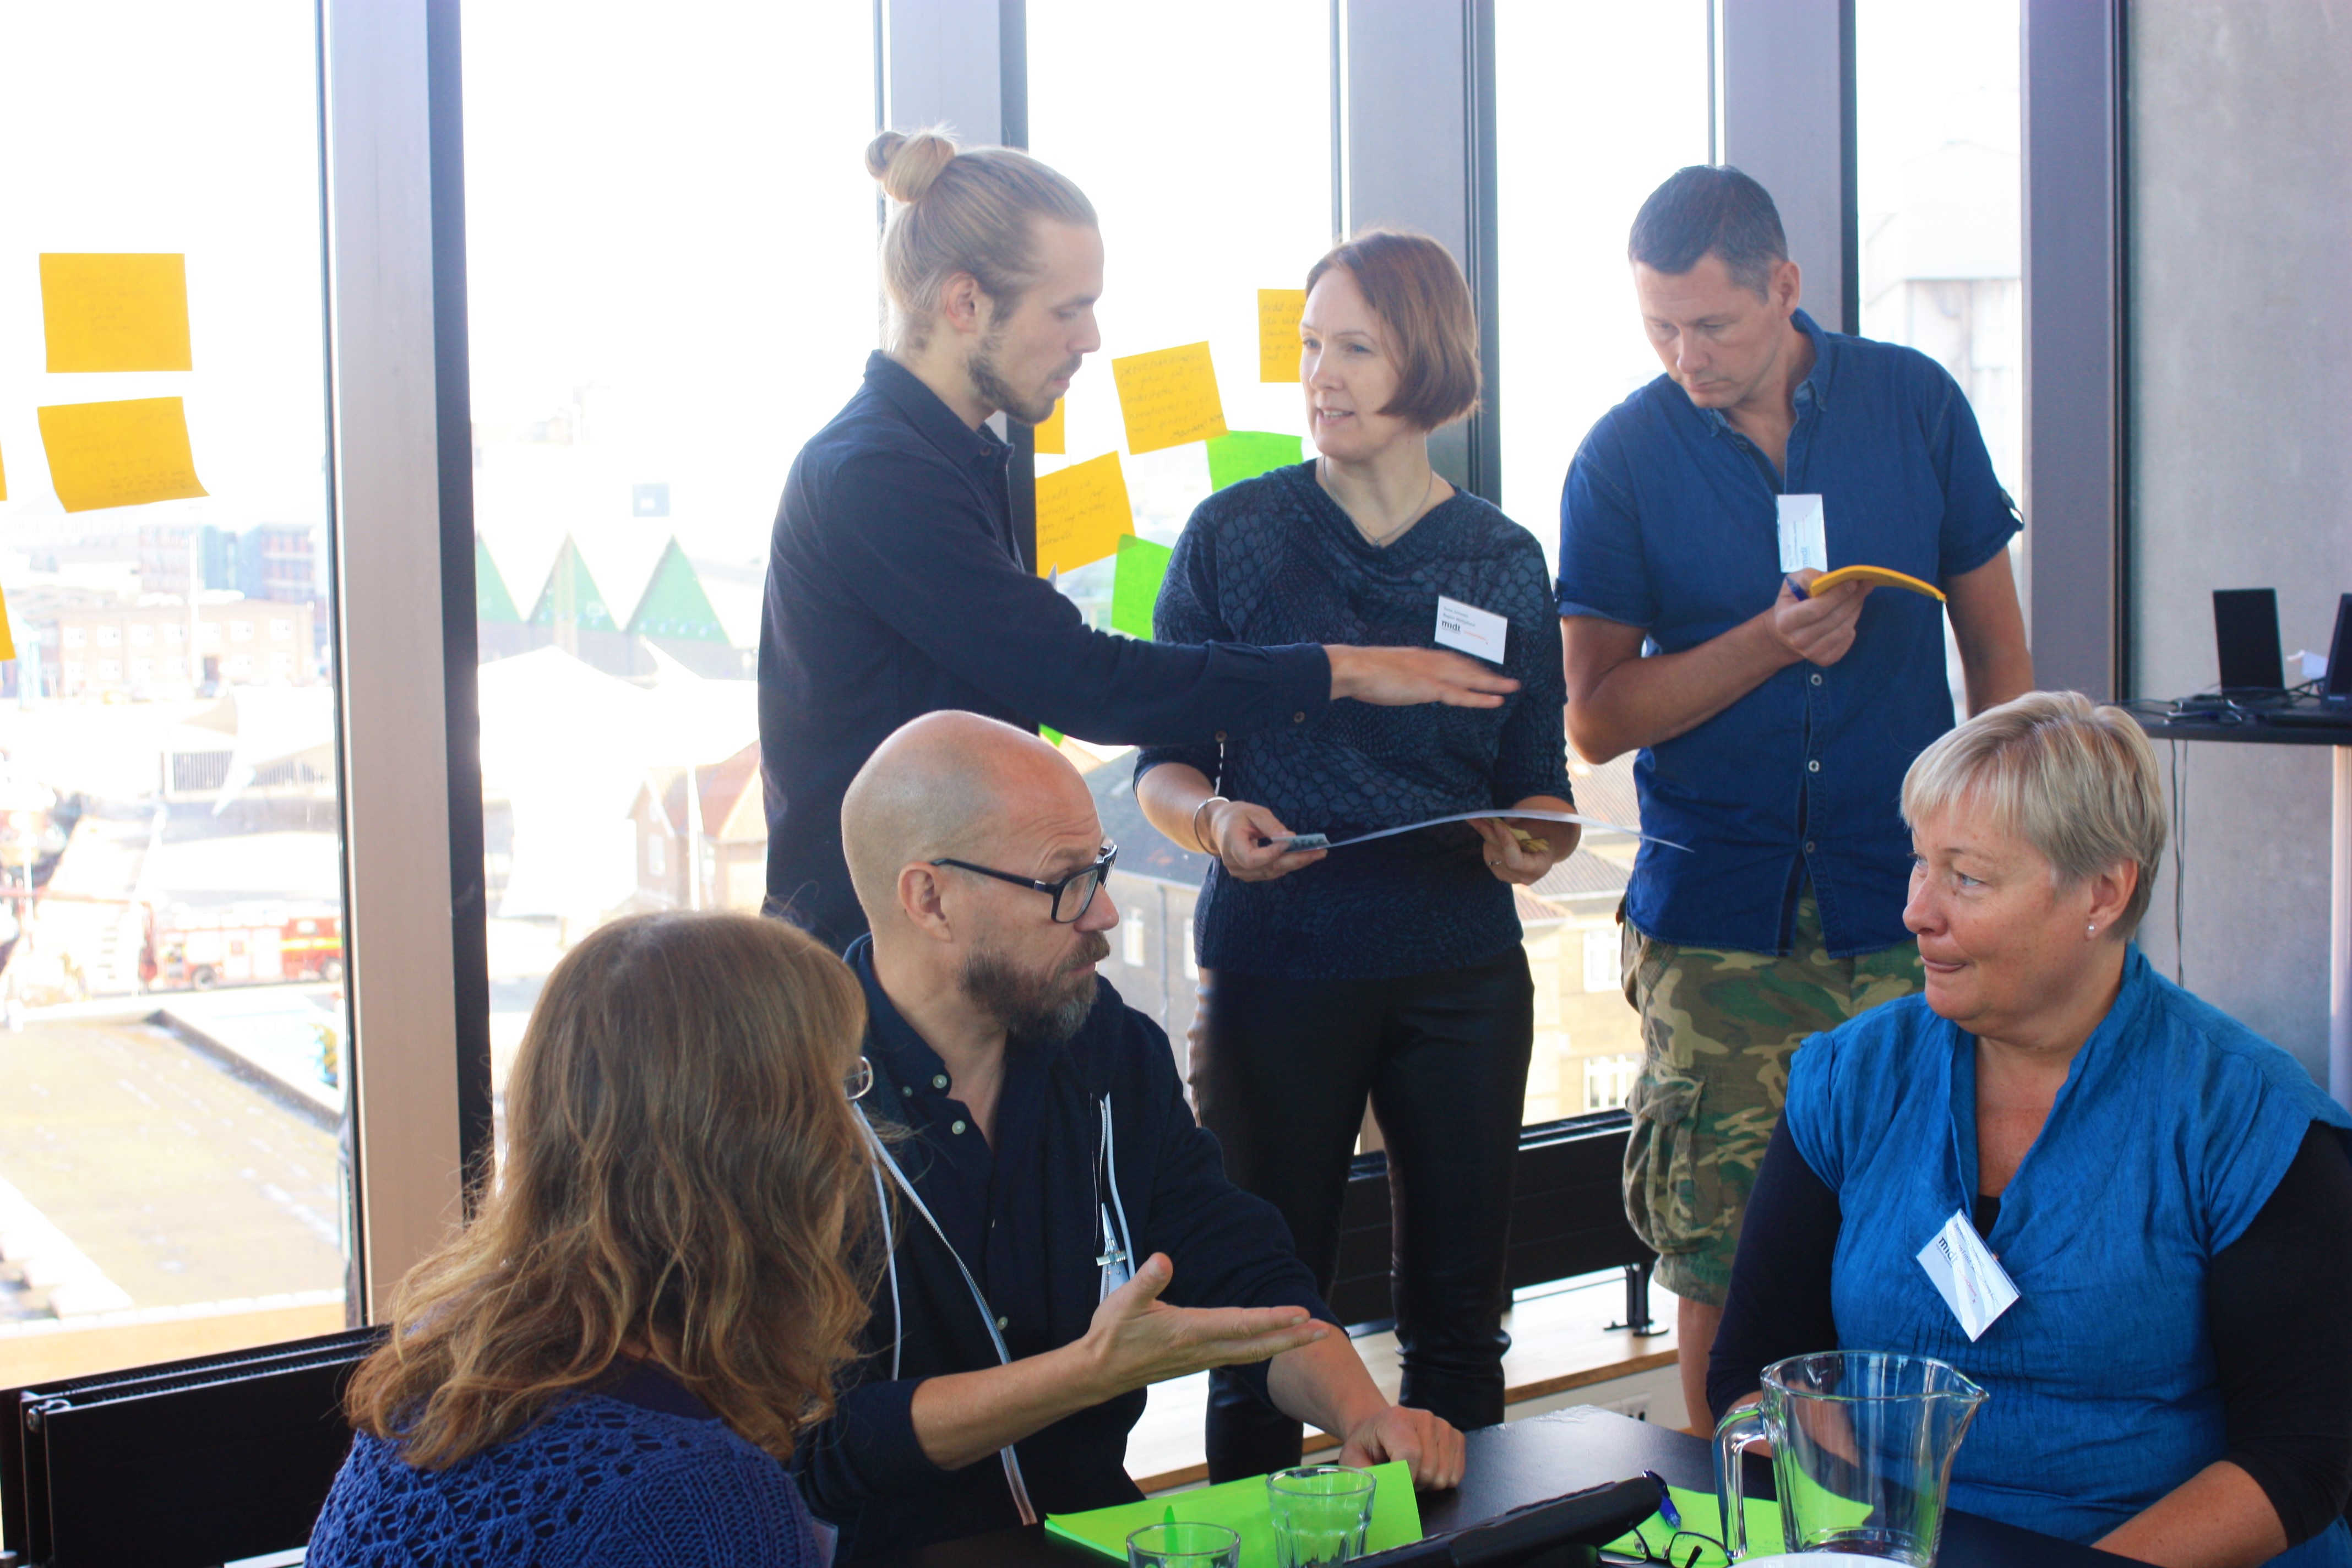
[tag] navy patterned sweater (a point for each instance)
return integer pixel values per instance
(1275, 561)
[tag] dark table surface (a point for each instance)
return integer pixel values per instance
(1544, 1457)
(2246, 731)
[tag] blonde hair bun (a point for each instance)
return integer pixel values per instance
(908, 164)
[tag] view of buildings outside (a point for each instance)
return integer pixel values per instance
(169, 1175)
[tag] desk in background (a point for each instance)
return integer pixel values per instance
(2254, 733)
(1545, 1456)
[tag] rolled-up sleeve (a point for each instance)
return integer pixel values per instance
(1603, 570)
(1979, 517)
(922, 558)
(865, 1450)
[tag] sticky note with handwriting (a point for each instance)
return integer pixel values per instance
(1278, 310)
(106, 311)
(1082, 514)
(1050, 439)
(119, 454)
(1169, 397)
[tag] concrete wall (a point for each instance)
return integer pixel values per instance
(2241, 232)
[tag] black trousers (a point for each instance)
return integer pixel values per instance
(1280, 1072)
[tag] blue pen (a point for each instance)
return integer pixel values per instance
(1666, 1509)
(1796, 587)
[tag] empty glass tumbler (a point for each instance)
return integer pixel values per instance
(1184, 1545)
(1321, 1514)
(1863, 1445)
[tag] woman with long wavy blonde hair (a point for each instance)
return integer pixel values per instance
(612, 1360)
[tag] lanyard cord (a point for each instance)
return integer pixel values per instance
(1110, 1165)
(1013, 1478)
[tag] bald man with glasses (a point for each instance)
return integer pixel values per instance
(1064, 1235)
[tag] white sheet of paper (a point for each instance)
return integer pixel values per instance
(1471, 630)
(1516, 815)
(1971, 1279)
(1803, 541)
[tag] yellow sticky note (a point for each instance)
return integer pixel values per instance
(1049, 433)
(8, 637)
(1169, 397)
(4, 482)
(115, 313)
(120, 454)
(1082, 512)
(1278, 310)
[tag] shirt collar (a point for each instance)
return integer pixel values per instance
(900, 1054)
(1814, 392)
(928, 414)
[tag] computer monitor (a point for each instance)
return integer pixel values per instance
(2337, 687)
(2246, 634)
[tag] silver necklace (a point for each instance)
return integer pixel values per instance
(1379, 541)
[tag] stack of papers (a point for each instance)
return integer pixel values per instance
(1241, 1508)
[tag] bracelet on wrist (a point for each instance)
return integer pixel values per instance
(1199, 840)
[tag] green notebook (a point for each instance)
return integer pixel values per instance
(1241, 1507)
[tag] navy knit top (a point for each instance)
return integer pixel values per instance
(1274, 560)
(631, 1474)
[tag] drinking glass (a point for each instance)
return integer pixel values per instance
(1183, 1544)
(1321, 1514)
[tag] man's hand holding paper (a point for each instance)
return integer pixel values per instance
(1817, 630)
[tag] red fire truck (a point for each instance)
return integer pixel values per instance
(241, 945)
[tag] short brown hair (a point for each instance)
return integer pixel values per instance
(683, 1174)
(1416, 288)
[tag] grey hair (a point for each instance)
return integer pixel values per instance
(2076, 780)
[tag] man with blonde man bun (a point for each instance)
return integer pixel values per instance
(895, 585)
(1064, 1233)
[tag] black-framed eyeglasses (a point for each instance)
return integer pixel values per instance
(1681, 1549)
(1074, 893)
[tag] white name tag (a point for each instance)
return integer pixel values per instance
(1472, 630)
(1803, 541)
(1971, 1279)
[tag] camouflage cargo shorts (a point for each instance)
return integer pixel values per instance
(1719, 1027)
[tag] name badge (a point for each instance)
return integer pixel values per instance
(1971, 1279)
(1470, 629)
(1803, 541)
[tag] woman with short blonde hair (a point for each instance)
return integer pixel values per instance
(2167, 1193)
(613, 1360)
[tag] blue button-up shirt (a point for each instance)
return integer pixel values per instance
(1669, 522)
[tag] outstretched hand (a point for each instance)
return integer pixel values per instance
(1136, 1339)
(1401, 677)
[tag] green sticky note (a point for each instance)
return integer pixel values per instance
(1702, 1518)
(1050, 735)
(1246, 454)
(1241, 1508)
(1135, 586)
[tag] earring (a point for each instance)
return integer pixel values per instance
(2090, 930)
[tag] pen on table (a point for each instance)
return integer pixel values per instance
(1666, 1509)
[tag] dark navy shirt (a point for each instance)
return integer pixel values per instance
(1275, 560)
(1668, 522)
(894, 589)
(1021, 1214)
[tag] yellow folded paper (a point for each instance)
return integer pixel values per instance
(1877, 577)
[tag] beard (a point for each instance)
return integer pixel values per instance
(988, 380)
(1047, 1009)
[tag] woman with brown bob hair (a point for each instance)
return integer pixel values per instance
(1393, 970)
(611, 1362)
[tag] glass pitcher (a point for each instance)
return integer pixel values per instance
(1861, 1452)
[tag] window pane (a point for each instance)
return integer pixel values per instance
(670, 250)
(170, 933)
(1595, 103)
(1231, 194)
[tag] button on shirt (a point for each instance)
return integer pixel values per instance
(1021, 1210)
(1669, 524)
(895, 589)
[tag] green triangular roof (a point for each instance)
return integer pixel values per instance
(674, 604)
(491, 600)
(571, 594)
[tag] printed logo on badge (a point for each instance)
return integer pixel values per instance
(1804, 539)
(1971, 1279)
(1471, 630)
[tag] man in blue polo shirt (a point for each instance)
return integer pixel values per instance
(1774, 726)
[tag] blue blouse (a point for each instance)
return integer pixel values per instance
(2175, 1123)
(1274, 560)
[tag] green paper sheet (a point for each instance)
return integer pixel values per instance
(1135, 586)
(1242, 1507)
(1702, 1516)
(1246, 454)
